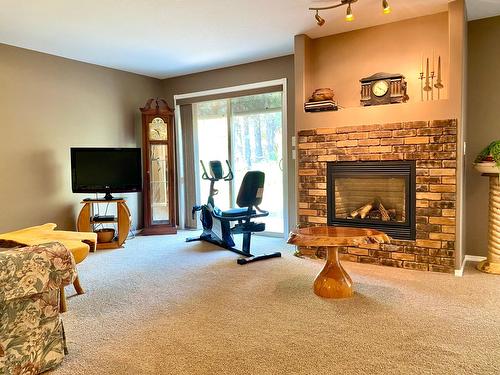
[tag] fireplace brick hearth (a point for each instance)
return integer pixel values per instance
(433, 146)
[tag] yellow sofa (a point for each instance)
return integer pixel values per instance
(79, 243)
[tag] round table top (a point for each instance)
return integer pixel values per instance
(336, 236)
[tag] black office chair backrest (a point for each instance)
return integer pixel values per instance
(251, 189)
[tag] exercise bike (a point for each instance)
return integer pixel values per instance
(216, 223)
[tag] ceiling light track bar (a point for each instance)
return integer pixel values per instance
(330, 7)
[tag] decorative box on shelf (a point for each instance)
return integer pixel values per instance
(321, 100)
(320, 106)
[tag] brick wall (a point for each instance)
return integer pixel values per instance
(433, 144)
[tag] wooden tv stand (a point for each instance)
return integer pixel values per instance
(87, 220)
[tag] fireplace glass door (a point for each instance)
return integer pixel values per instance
(377, 195)
(371, 198)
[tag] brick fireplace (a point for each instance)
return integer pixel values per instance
(429, 145)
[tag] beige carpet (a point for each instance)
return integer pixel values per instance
(162, 306)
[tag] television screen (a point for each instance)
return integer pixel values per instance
(106, 170)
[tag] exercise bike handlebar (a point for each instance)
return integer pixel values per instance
(228, 177)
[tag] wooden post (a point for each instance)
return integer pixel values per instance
(492, 263)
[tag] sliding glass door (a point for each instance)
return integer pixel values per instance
(247, 131)
(256, 129)
(211, 141)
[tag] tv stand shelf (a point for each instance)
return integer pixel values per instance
(87, 219)
(115, 220)
(103, 219)
(103, 200)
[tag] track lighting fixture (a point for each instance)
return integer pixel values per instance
(386, 7)
(320, 21)
(349, 15)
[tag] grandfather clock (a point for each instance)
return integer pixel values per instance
(158, 143)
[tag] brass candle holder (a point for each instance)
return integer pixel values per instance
(439, 82)
(421, 78)
(428, 86)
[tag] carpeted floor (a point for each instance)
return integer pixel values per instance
(163, 306)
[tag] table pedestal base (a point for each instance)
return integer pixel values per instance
(492, 264)
(489, 267)
(333, 281)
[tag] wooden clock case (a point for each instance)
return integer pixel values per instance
(158, 153)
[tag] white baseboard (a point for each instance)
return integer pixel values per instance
(474, 258)
(460, 272)
(468, 258)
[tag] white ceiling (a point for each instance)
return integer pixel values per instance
(165, 38)
(482, 8)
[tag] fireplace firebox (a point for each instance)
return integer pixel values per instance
(378, 195)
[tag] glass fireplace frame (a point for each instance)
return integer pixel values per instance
(375, 169)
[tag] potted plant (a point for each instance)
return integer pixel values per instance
(488, 160)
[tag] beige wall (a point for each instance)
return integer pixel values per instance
(47, 105)
(339, 61)
(483, 123)
(458, 87)
(266, 70)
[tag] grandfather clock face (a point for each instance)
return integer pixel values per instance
(158, 130)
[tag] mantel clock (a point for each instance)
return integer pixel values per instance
(383, 88)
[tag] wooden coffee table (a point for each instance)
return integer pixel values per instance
(333, 281)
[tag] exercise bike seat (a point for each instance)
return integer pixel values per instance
(235, 212)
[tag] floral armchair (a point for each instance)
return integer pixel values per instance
(31, 331)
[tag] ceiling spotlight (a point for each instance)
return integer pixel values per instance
(320, 21)
(349, 16)
(386, 7)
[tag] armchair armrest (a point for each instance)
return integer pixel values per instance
(36, 269)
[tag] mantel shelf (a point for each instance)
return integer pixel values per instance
(368, 107)
(380, 114)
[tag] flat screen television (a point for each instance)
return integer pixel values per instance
(106, 170)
